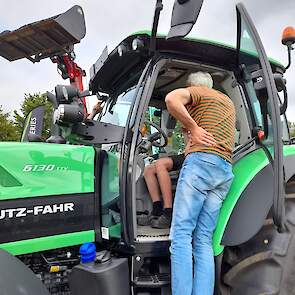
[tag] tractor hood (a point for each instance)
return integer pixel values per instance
(40, 169)
(45, 192)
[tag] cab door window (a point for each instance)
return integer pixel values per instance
(259, 100)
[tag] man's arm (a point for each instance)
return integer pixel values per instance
(176, 101)
(96, 109)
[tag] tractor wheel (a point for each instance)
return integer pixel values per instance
(265, 265)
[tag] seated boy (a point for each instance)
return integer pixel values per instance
(158, 181)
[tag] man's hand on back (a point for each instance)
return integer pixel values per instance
(198, 135)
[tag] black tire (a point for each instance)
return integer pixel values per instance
(265, 265)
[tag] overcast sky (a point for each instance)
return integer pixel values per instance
(108, 22)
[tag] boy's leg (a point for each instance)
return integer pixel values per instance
(163, 166)
(150, 176)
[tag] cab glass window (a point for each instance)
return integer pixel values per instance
(259, 100)
(117, 108)
(116, 112)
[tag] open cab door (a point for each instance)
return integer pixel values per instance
(260, 89)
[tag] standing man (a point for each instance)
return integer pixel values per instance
(204, 181)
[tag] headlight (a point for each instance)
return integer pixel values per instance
(67, 113)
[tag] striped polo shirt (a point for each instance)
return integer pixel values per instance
(215, 112)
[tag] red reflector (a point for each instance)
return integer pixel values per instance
(260, 135)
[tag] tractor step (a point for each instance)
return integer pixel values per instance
(149, 234)
(152, 281)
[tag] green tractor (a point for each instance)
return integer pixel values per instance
(85, 185)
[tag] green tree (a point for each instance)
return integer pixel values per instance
(178, 139)
(8, 131)
(30, 102)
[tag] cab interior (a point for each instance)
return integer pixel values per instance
(172, 76)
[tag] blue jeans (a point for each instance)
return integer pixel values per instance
(203, 184)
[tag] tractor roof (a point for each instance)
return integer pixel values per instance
(114, 67)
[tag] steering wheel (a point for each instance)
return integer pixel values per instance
(152, 139)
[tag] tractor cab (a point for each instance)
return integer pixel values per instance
(134, 129)
(137, 84)
(136, 79)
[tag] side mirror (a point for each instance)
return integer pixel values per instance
(33, 125)
(184, 15)
(288, 39)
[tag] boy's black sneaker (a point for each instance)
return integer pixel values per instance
(162, 222)
(145, 219)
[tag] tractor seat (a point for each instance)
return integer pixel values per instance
(174, 178)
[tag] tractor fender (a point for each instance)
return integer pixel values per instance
(247, 203)
(251, 209)
(249, 199)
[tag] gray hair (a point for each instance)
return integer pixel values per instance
(200, 79)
